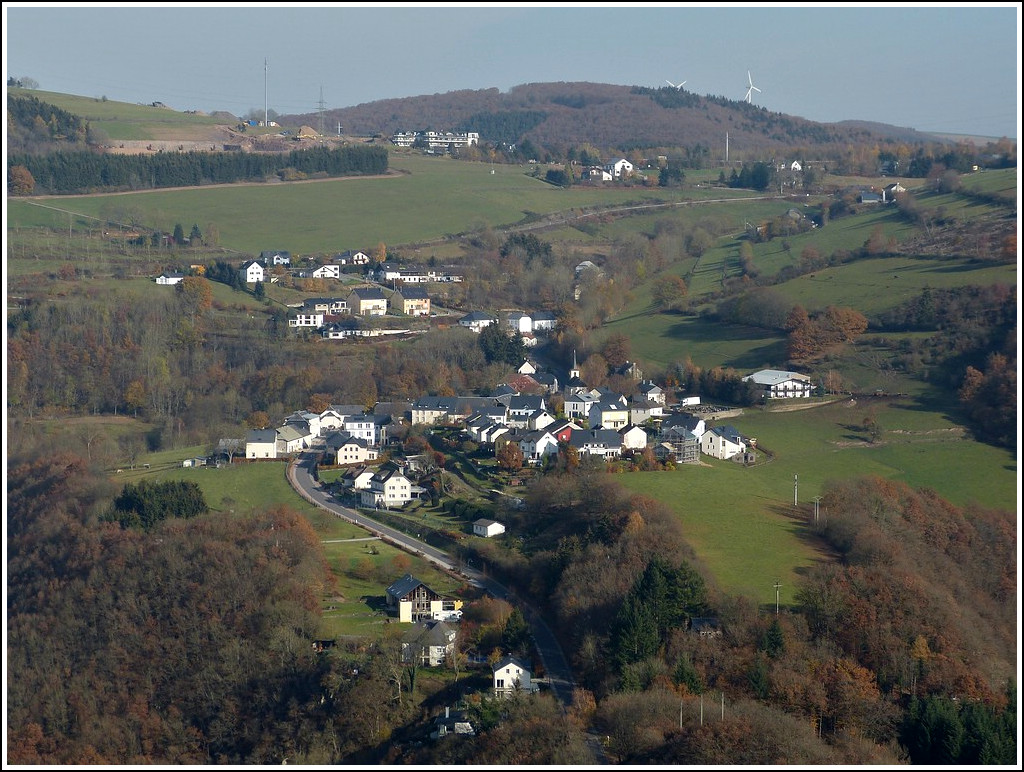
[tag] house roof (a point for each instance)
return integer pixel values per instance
(261, 435)
(369, 293)
(430, 633)
(404, 586)
(773, 377)
(477, 316)
(509, 660)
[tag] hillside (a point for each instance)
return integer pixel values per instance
(607, 116)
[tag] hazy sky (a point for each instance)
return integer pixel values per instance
(945, 67)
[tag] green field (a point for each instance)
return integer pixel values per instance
(741, 520)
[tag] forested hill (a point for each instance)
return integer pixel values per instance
(559, 115)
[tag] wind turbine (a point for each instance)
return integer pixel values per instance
(676, 86)
(751, 88)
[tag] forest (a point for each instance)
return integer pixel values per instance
(190, 641)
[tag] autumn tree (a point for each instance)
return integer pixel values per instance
(257, 420)
(510, 457)
(20, 181)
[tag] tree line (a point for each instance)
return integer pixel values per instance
(89, 171)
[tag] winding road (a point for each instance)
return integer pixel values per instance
(556, 667)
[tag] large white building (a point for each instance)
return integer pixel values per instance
(782, 384)
(436, 140)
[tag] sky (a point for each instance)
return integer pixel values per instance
(947, 68)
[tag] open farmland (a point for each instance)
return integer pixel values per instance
(742, 522)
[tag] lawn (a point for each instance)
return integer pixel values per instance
(742, 522)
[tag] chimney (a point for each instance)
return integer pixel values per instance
(446, 711)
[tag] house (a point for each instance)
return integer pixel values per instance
(428, 643)
(333, 417)
(633, 437)
(170, 278)
(291, 438)
(367, 301)
(433, 409)
(413, 601)
(534, 445)
(487, 528)
(619, 168)
(641, 411)
(681, 422)
(261, 443)
(357, 478)
(543, 321)
(275, 257)
(796, 167)
(606, 443)
(367, 426)
(678, 444)
(353, 450)
(389, 487)
(578, 405)
(252, 271)
(328, 306)
(327, 272)
(520, 322)
(649, 391)
(608, 414)
(350, 257)
(722, 442)
(870, 197)
(781, 384)
(539, 419)
(411, 301)
(451, 723)
(630, 370)
(548, 381)
(521, 407)
(477, 320)
(890, 191)
(511, 674)
(597, 174)
(314, 321)
(527, 367)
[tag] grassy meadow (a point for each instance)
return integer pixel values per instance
(741, 520)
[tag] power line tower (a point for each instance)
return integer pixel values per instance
(321, 105)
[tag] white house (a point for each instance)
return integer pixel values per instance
(253, 271)
(261, 443)
(535, 445)
(366, 426)
(620, 167)
(487, 528)
(782, 384)
(313, 321)
(633, 437)
(389, 487)
(510, 674)
(355, 451)
(276, 257)
(327, 272)
(722, 442)
(477, 320)
(352, 257)
(543, 321)
(170, 278)
(606, 443)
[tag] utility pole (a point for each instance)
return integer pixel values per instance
(817, 501)
(794, 490)
(777, 586)
(266, 109)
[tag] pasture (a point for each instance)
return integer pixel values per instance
(741, 520)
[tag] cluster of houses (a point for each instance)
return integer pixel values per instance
(431, 640)
(593, 421)
(886, 196)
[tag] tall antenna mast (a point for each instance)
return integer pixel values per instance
(727, 147)
(266, 111)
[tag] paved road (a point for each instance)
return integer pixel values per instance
(556, 667)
